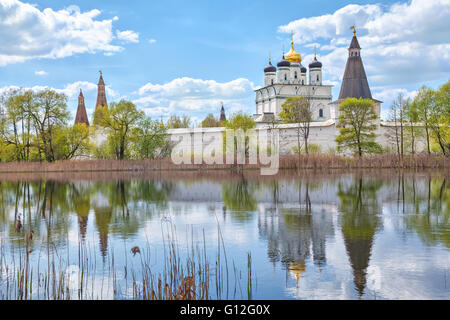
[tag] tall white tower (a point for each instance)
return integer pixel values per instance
(284, 70)
(270, 74)
(303, 75)
(315, 71)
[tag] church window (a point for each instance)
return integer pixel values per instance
(317, 77)
(303, 82)
(272, 81)
(321, 113)
(285, 77)
(295, 75)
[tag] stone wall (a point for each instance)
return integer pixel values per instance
(322, 134)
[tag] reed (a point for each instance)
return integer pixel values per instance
(188, 275)
(312, 161)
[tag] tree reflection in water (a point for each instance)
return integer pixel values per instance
(49, 203)
(238, 198)
(359, 221)
(430, 209)
(296, 216)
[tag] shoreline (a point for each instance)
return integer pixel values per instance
(286, 162)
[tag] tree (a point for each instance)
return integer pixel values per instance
(413, 117)
(175, 122)
(422, 103)
(440, 117)
(120, 123)
(298, 110)
(151, 136)
(399, 106)
(71, 141)
(393, 132)
(48, 114)
(238, 121)
(210, 122)
(433, 112)
(16, 130)
(356, 126)
(99, 115)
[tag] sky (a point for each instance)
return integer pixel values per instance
(187, 57)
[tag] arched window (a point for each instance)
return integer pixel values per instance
(285, 76)
(295, 75)
(317, 77)
(303, 82)
(272, 81)
(321, 113)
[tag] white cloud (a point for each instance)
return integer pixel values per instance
(405, 43)
(388, 95)
(71, 90)
(152, 41)
(128, 36)
(196, 97)
(28, 32)
(40, 73)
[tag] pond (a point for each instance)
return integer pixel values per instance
(298, 235)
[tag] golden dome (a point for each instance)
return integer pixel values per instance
(292, 55)
(297, 268)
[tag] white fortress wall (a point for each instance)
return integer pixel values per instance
(322, 134)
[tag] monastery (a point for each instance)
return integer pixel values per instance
(289, 79)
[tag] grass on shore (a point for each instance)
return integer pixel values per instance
(187, 276)
(312, 161)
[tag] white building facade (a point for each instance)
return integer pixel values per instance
(290, 79)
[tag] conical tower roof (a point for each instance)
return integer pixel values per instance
(354, 83)
(81, 116)
(101, 95)
(222, 114)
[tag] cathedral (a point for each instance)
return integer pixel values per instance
(291, 79)
(81, 116)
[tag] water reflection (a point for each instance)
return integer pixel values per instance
(360, 221)
(301, 222)
(431, 210)
(295, 230)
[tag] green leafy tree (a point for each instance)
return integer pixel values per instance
(120, 123)
(17, 125)
(49, 114)
(71, 141)
(151, 136)
(242, 121)
(210, 122)
(100, 113)
(356, 126)
(176, 122)
(433, 112)
(298, 110)
(440, 118)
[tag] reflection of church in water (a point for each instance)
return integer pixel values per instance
(296, 233)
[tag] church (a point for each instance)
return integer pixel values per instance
(291, 79)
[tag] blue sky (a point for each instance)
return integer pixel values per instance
(186, 57)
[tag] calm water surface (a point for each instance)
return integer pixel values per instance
(326, 235)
